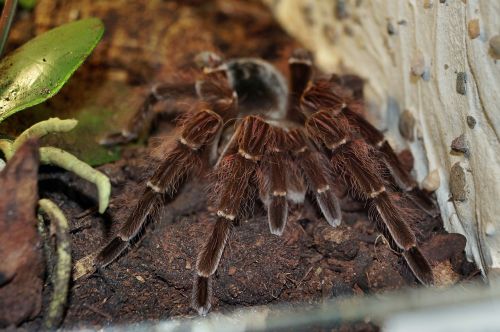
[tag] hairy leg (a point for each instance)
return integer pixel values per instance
(354, 160)
(182, 159)
(325, 95)
(234, 174)
(141, 119)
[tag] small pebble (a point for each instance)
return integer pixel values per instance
(418, 64)
(461, 83)
(341, 9)
(307, 14)
(495, 46)
(74, 14)
(231, 271)
(473, 28)
(457, 183)
(233, 290)
(141, 279)
(471, 122)
(330, 33)
(432, 181)
(407, 125)
(348, 30)
(420, 134)
(391, 30)
(406, 159)
(459, 144)
(490, 229)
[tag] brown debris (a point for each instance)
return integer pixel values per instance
(473, 28)
(458, 183)
(445, 253)
(406, 159)
(341, 9)
(495, 46)
(418, 64)
(391, 30)
(471, 121)
(22, 264)
(432, 181)
(407, 125)
(459, 144)
(444, 247)
(461, 85)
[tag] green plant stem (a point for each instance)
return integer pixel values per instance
(63, 159)
(42, 128)
(46, 242)
(62, 272)
(8, 13)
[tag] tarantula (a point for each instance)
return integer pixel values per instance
(288, 143)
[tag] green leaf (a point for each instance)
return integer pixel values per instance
(26, 4)
(38, 69)
(101, 106)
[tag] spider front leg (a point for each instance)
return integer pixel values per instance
(185, 157)
(279, 182)
(144, 115)
(354, 159)
(234, 174)
(272, 181)
(315, 169)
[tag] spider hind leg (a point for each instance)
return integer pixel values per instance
(202, 294)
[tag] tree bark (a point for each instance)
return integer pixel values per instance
(435, 62)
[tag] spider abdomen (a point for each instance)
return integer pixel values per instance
(260, 87)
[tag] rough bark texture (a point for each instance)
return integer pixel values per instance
(436, 63)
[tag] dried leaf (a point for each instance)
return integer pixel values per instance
(22, 267)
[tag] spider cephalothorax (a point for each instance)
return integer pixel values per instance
(287, 144)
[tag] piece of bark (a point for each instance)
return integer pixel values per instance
(462, 80)
(22, 266)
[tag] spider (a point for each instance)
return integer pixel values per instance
(284, 144)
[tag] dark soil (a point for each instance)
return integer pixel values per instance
(309, 263)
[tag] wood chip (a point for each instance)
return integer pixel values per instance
(473, 28)
(432, 181)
